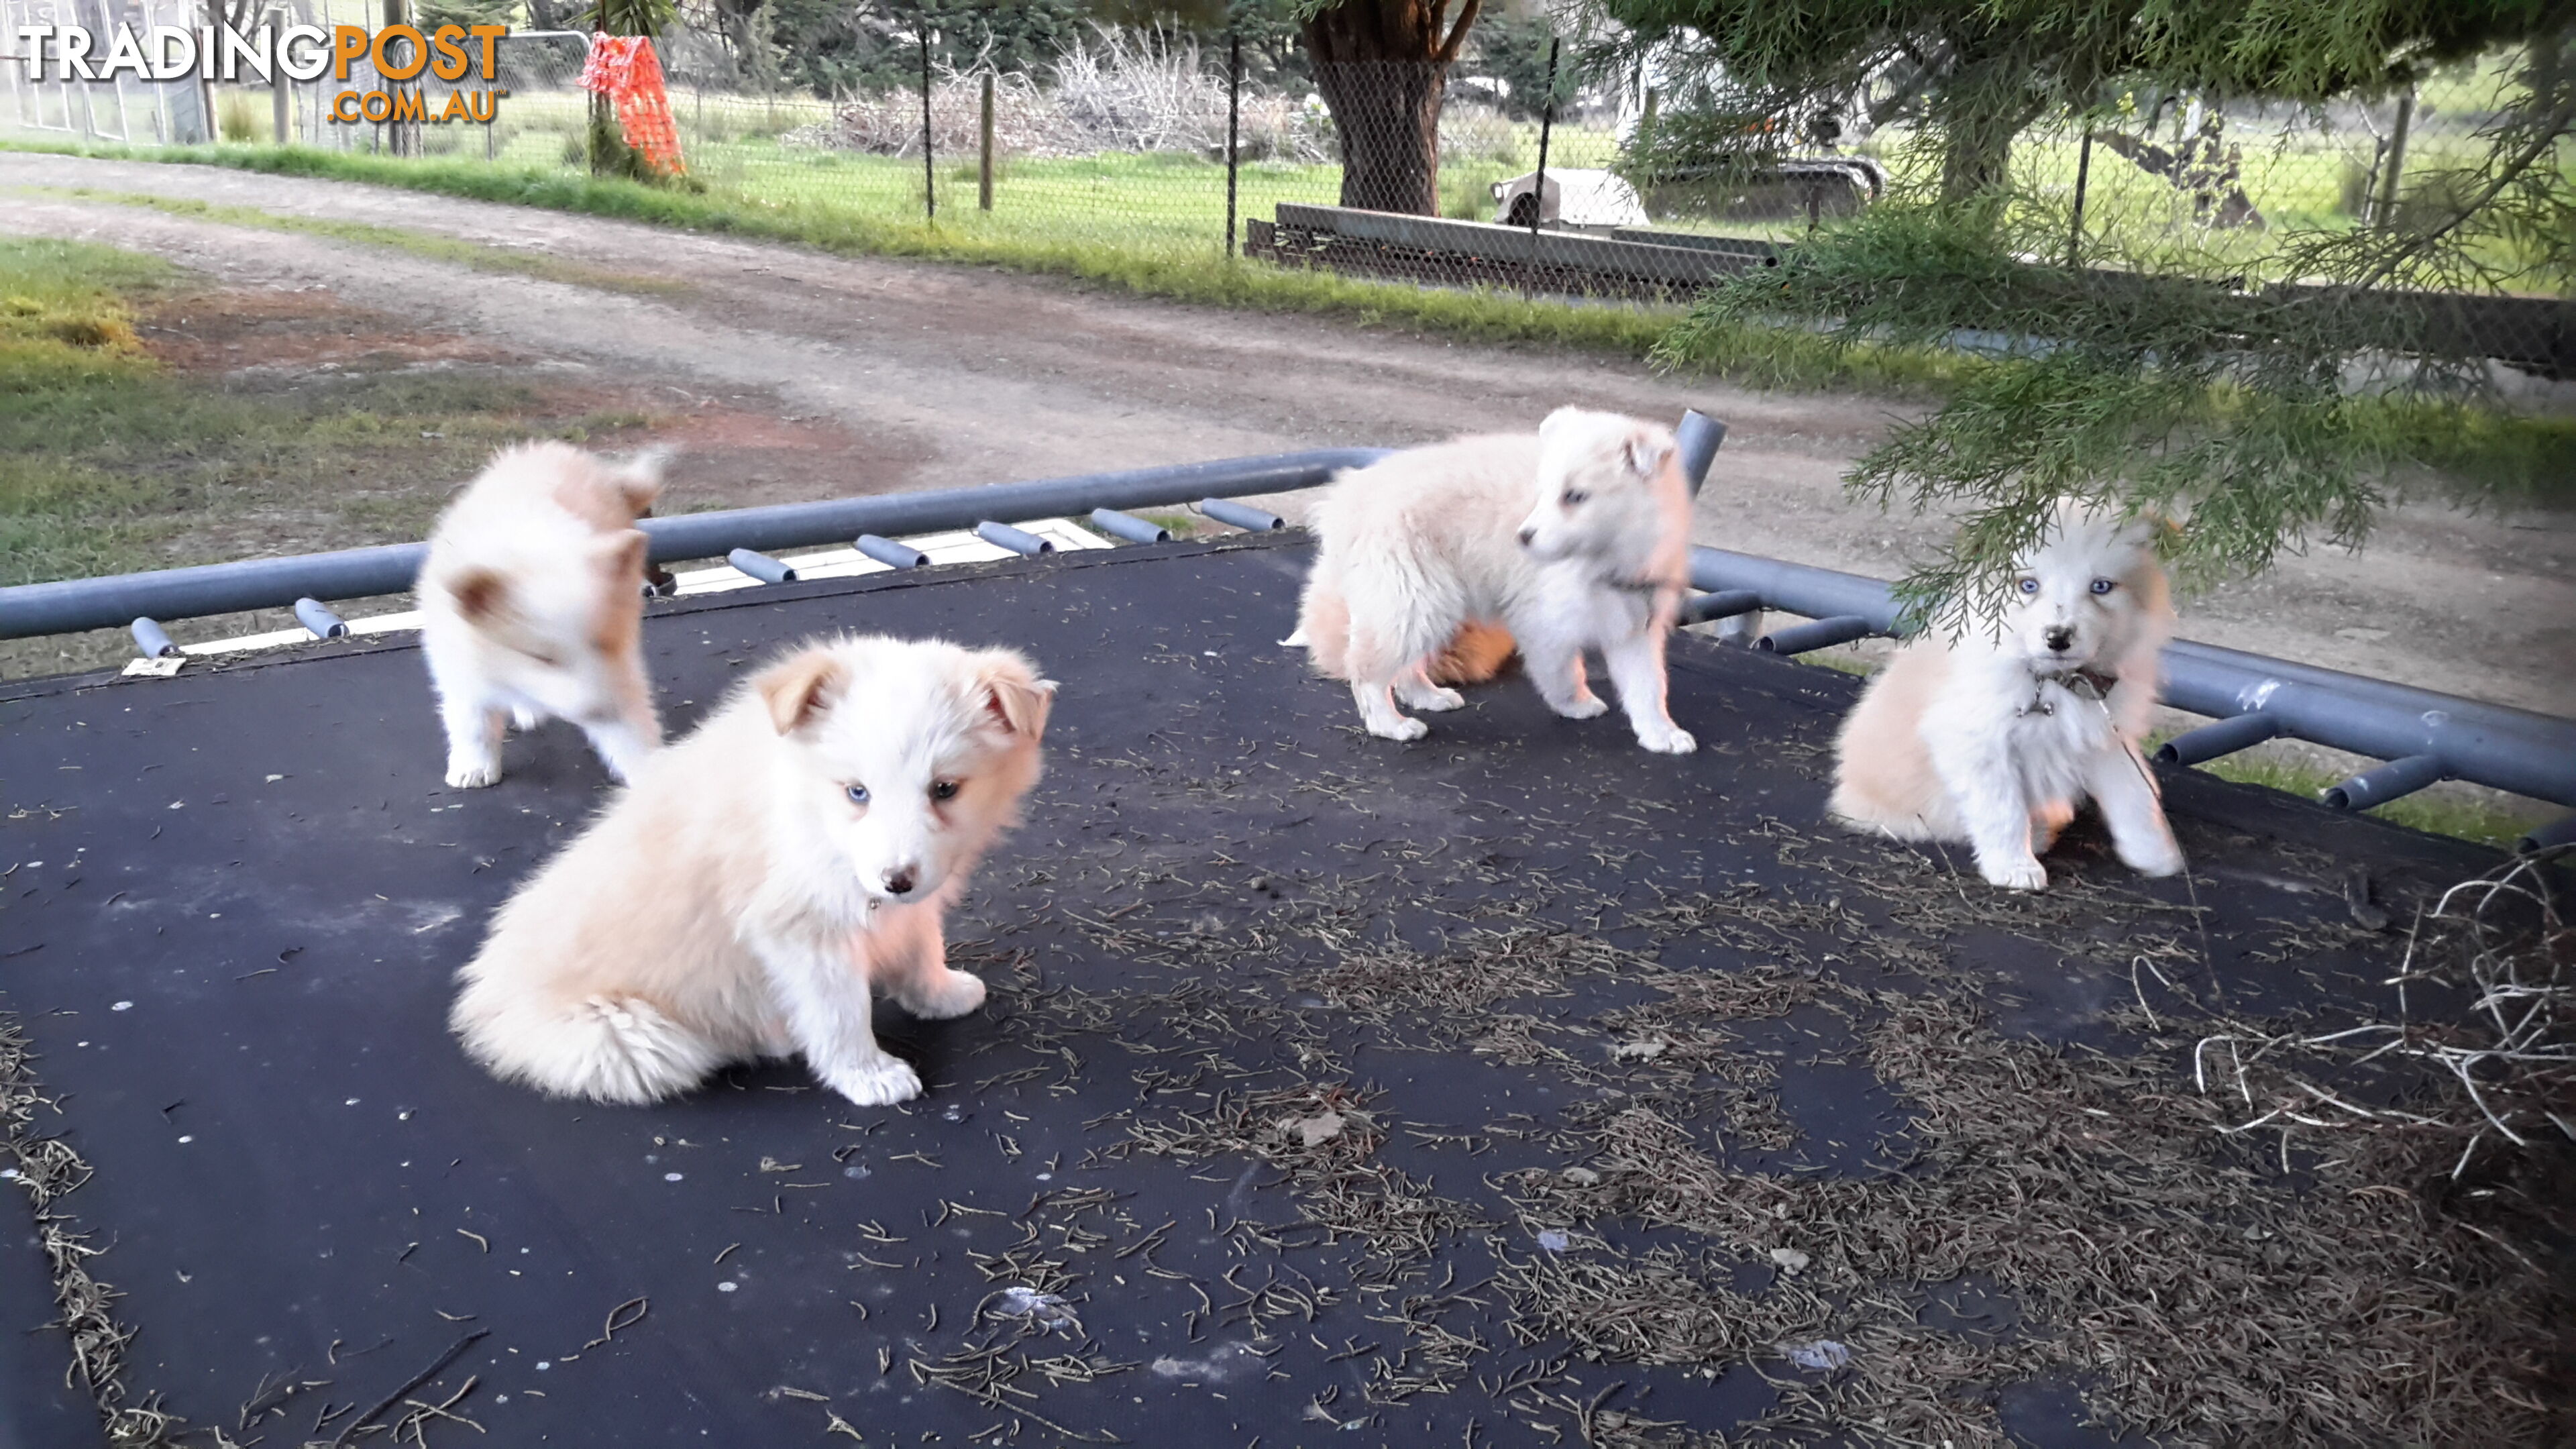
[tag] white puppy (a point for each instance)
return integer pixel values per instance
(533, 603)
(739, 900)
(1994, 737)
(1575, 539)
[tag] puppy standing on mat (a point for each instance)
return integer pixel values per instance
(761, 875)
(1575, 539)
(532, 604)
(1996, 736)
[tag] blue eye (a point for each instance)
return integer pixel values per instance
(858, 794)
(2103, 586)
(2030, 586)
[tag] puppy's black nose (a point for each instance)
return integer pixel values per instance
(1528, 536)
(2060, 638)
(898, 882)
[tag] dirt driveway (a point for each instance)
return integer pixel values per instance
(888, 375)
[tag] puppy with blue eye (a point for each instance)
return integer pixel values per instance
(1994, 735)
(741, 898)
(1434, 564)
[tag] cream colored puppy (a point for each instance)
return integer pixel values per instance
(533, 604)
(1575, 539)
(760, 875)
(1996, 736)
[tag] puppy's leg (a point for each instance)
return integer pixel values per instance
(825, 999)
(2119, 781)
(2047, 818)
(1415, 688)
(626, 737)
(907, 956)
(1979, 777)
(1637, 672)
(1554, 658)
(473, 740)
(1375, 665)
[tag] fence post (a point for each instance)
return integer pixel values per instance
(2083, 173)
(1233, 126)
(929, 180)
(2396, 159)
(278, 89)
(984, 173)
(1546, 125)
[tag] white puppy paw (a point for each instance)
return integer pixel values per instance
(472, 774)
(1404, 728)
(1673, 741)
(2162, 858)
(523, 718)
(1585, 706)
(1436, 699)
(2024, 874)
(879, 1082)
(950, 993)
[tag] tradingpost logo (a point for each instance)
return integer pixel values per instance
(393, 55)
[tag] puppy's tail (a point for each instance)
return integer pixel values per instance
(606, 1048)
(1476, 653)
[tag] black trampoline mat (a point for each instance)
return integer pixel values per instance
(237, 897)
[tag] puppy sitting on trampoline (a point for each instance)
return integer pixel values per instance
(741, 898)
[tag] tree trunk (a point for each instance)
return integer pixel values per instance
(1382, 67)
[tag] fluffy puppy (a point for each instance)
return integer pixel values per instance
(1435, 562)
(1996, 736)
(533, 603)
(760, 875)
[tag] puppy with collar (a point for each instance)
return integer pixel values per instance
(1436, 562)
(1993, 737)
(742, 897)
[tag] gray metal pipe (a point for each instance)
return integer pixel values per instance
(761, 566)
(1723, 604)
(1822, 634)
(322, 622)
(2223, 738)
(1242, 515)
(67, 605)
(890, 553)
(1128, 526)
(1017, 540)
(1698, 437)
(2379, 786)
(153, 639)
(2561, 831)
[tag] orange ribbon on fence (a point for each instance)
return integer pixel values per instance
(625, 69)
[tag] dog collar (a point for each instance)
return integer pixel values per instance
(2090, 684)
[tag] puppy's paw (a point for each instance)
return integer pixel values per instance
(1674, 740)
(1404, 728)
(2024, 874)
(523, 718)
(1436, 699)
(1585, 706)
(879, 1082)
(473, 774)
(950, 993)
(2157, 858)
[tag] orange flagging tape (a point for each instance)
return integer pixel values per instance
(625, 69)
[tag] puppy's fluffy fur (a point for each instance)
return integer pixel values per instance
(760, 875)
(1435, 562)
(1995, 737)
(533, 600)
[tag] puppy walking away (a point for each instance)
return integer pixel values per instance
(1434, 561)
(760, 875)
(1996, 736)
(533, 606)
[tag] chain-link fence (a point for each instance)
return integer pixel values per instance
(1147, 141)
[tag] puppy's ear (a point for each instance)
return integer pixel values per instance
(639, 482)
(480, 594)
(1559, 419)
(621, 555)
(1646, 449)
(1010, 692)
(800, 689)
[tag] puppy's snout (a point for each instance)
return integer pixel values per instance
(900, 880)
(1528, 536)
(2059, 638)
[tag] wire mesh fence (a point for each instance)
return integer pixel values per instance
(1156, 142)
